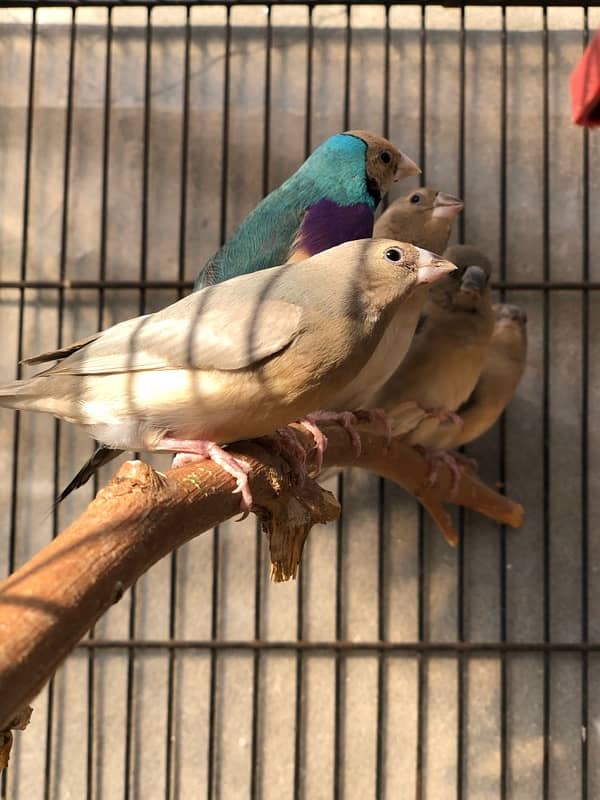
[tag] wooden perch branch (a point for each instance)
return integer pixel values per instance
(17, 723)
(48, 604)
(408, 468)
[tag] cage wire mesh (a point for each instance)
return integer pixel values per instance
(133, 141)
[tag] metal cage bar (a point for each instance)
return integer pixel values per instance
(425, 647)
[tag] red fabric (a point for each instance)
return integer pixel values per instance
(585, 86)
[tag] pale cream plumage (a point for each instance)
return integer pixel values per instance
(236, 360)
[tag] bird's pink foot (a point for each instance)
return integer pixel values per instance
(190, 450)
(181, 459)
(377, 415)
(346, 419)
(437, 457)
(320, 440)
(285, 443)
(292, 450)
(465, 461)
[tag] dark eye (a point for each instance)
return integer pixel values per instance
(415, 198)
(394, 254)
(385, 156)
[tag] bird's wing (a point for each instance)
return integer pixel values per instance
(62, 352)
(263, 240)
(229, 338)
(68, 350)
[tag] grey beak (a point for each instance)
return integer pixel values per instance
(474, 279)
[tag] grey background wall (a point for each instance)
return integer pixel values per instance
(434, 723)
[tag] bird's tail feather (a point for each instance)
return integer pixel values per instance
(102, 455)
(17, 394)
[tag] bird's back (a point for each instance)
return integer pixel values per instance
(334, 172)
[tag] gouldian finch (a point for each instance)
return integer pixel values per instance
(330, 199)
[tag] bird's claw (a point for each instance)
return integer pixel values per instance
(377, 415)
(194, 451)
(320, 441)
(346, 419)
(181, 459)
(293, 451)
(464, 461)
(436, 457)
(284, 442)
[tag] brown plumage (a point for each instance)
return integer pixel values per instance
(417, 223)
(446, 356)
(502, 371)
(423, 217)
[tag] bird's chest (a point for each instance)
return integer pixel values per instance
(382, 361)
(327, 224)
(455, 377)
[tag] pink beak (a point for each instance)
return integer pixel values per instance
(447, 206)
(431, 268)
(406, 168)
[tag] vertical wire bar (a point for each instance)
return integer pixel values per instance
(381, 549)
(255, 760)
(546, 404)
(23, 277)
(12, 540)
(300, 580)
(254, 750)
(421, 683)
(212, 709)
(129, 773)
(502, 456)
(90, 771)
(338, 717)
(460, 611)
(170, 779)
(48, 771)
(585, 358)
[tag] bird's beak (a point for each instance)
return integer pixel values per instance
(406, 168)
(505, 312)
(447, 206)
(431, 268)
(474, 280)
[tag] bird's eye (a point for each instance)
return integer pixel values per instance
(385, 156)
(394, 254)
(415, 198)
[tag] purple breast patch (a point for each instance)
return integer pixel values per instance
(327, 224)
